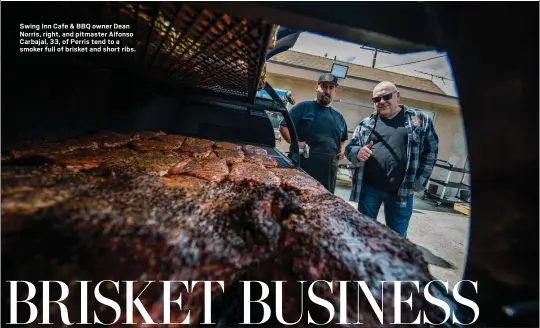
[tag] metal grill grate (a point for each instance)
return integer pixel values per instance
(283, 163)
(183, 45)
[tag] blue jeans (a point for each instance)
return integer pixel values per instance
(396, 217)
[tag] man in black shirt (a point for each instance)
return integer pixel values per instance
(394, 151)
(323, 128)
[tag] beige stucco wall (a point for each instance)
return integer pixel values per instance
(448, 119)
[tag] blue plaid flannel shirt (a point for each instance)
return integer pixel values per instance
(422, 150)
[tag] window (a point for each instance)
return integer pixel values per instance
(274, 117)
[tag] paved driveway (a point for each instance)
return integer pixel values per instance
(441, 230)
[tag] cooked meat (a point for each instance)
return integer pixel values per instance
(144, 135)
(29, 200)
(179, 167)
(48, 149)
(264, 160)
(185, 182)
(27, 177)
(144, 146)
(331, 240)
(254, 150)
(109, 139)
(268, 224)
(253, 174)
(214, 170)
(212, 155)
(205, 143)
(227, 145)
(171, 139)
(153, 163)
(231, 156)
(196, 150)
(134, 234)
(83, 159)
(299, 182)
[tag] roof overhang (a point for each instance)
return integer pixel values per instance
(357, 83)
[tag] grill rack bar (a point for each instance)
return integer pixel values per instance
(186, 46)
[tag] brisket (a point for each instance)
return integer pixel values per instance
(171, 139)
(172, 216)
(214, 170)
(253, 174)
(231, 156)
(227, 145)
(109, 139)
(144, 135)
(48, 149)
(196, 150)
(145, 146)
(331, 240)
(142, 231)
(153, 163)
(254, 150)
(264, 160)
(300, 182)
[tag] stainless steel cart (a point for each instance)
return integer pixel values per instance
(446, 183)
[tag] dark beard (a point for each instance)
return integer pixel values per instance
(323, 99)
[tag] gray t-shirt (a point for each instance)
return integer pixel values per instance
(385, 169)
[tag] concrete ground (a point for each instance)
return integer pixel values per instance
(441, 230)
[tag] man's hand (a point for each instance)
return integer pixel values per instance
(301, 145)
(365, 152)
(340, 156)
(412, 191)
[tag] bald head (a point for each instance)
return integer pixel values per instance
(386, 99)
(385, 85)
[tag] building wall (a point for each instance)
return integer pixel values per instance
(448, 120)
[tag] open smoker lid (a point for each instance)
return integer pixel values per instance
(182, 46)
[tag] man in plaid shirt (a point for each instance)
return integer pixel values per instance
(394, 151)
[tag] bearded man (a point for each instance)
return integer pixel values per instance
(323, 128)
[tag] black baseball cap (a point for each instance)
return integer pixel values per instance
(327, 77)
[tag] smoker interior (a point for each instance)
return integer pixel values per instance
(160, 87)
(62, 96)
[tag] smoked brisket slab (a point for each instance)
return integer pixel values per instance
(153, 163)
(174, 140)
(144, 146)
(227, 145)
(173, 216)
(231, 156)
(109, 139)
(144, 230)
(254, 150)
(214, 170)
(145, 135)
(300, 182)
(253, 174)
(332, 241)
(264, 160)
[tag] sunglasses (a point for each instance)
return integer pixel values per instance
(386, 97)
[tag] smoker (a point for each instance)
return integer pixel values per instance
(212, 95)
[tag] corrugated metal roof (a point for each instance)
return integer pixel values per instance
(324, 65)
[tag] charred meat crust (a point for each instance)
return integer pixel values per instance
(254, 150)
(231, 156)
(227, 145)
(264, 160)
(254, 174)
(162, 216)
(213, 170)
